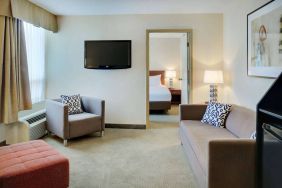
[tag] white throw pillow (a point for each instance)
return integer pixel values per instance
(155, 80)
(216, 114)
(254, 135)
(73, 102)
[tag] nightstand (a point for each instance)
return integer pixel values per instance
(175, 95)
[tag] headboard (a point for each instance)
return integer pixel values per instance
(158, 72)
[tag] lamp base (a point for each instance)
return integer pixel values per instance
(170, 82)
(213, 93)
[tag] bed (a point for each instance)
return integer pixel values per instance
(159, 94)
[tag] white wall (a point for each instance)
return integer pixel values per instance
(165, 54)
(239, 88)
(125, 90)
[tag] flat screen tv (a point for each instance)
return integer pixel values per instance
(107, 54)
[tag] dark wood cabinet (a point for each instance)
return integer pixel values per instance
(175, 96)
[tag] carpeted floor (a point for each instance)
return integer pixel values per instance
(171, 115)
(128, 158)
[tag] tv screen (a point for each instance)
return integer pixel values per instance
(114, 54)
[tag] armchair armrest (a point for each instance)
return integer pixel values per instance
(232, 163)
(57, 118)
(192, 111)
(95, 106)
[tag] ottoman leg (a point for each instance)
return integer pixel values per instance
(65, 142)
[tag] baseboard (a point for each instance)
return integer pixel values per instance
(3, 143)
(125, 126)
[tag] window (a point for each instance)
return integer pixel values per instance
(35, 48)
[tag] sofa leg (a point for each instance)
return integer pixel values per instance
(65, 142)
(102, 133)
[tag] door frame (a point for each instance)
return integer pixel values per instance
(189, 64)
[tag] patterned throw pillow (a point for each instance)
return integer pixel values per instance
(216, 114)
(73, 102)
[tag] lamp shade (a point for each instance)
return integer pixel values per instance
(170, 74)
(213, 77)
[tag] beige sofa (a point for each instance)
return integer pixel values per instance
(219, 157)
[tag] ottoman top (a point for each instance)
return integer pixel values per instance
(29, 156)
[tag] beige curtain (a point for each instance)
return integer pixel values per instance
(29, 12)
(14, 83)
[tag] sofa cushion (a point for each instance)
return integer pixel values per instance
(199, 135)
(79, 124)
(241, 122)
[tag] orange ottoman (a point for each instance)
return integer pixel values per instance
(33, 164)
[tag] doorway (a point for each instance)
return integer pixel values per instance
(169, 73)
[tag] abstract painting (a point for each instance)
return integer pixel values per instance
(265, 40)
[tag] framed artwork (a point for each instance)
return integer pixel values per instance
(265, 40)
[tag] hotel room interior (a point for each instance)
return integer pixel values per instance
(140, 94)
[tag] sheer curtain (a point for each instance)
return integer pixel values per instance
(35, 48)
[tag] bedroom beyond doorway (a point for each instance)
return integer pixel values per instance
(169, 63)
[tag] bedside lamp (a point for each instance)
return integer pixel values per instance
(213, 78)
(170, 74)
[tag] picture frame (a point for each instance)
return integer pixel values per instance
(264, 40)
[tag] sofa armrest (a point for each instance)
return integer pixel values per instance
(192, 111)
(95, 106)
(57, 118)
(232, 163)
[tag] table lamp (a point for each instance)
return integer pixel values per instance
(213, 78)
(170, 74)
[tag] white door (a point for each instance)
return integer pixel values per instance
(184, 69)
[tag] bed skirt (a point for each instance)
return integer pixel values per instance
(160, 105)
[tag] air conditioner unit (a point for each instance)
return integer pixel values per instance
(36, 124)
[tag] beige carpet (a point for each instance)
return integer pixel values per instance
(171, 115)
(128, 158)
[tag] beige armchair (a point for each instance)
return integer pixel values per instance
(66, 126)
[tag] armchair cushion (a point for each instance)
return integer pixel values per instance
(84, 123)
(73, 102)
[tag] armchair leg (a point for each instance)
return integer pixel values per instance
(65, 142)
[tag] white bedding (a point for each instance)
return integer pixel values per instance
(159, 93)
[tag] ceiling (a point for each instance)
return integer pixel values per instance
(110, 7)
